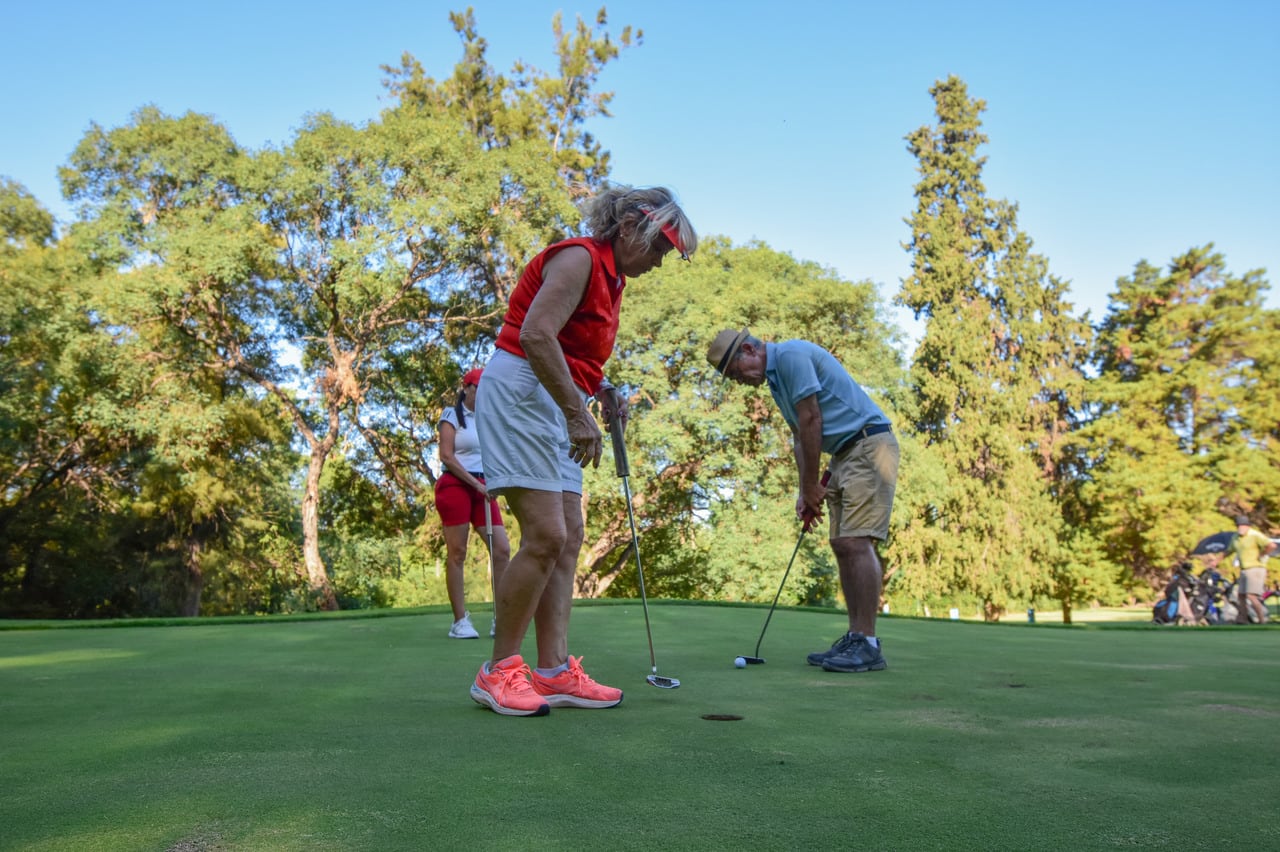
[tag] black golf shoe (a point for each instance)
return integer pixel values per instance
(860, 656)
(844, 643)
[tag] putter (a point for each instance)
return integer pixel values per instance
(623, 470)
(809, 520)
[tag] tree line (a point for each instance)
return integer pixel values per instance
(220, 383)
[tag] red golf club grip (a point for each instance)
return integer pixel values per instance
(810, 518)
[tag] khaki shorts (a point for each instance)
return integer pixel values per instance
(860, 493)
(1253, 581)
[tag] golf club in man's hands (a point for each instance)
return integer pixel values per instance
(810, 520)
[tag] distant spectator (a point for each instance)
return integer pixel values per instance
(1251, 548)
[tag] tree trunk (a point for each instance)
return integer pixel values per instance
(317, 576)
(594, 584)
(991, 612)
(195, 580)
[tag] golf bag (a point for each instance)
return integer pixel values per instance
(1214, 589)
(1175, 604)
(1189, 599)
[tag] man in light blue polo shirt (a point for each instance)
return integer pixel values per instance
(829, 412)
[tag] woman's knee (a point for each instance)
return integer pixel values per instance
(574, 524)
(544, 541)
(455, 542)
(573, 536)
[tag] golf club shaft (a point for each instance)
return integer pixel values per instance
(623, 469)
(488, 537)
(635, 546)
(804, 528)
(774, 605)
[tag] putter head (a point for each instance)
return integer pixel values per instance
(662, 682)
(753, 661)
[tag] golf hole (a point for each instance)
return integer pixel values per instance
(721, 717)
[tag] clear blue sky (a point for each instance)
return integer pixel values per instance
(1123, 130)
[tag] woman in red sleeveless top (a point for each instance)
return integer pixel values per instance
(537, 434)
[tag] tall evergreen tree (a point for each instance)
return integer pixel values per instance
(992, 370)
(1187, 410)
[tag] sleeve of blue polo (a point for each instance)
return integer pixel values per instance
(796, 375)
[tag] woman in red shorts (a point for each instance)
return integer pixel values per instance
(461, 499)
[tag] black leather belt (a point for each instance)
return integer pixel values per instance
(864, 432)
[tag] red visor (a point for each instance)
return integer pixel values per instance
(472, 377)
(670, 233)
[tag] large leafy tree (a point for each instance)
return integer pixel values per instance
(48, 377)
(65, 409)
(52, 367)
(346, 275)
(130, 467)
(532, 156)
(992, 371)
(501, 172)
(1186, 411)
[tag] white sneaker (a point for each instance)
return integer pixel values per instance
(493, 628)
(462, 628)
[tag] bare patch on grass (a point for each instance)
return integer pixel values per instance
(948, 719)
(1148, 840)
(1243, 711)
(1058, 722)
(1146, 667)
(198, 843)
(844, 679)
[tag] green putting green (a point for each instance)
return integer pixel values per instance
(358, 734)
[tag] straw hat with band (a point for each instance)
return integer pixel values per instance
(725, 346)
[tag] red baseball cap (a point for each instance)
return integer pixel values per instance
(472, 377)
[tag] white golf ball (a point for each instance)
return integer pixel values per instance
(740, 662)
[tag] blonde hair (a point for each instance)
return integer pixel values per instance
(648, 209)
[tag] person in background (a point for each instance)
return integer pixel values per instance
(1251, 549)
(461, 500)
(829, 412)
(538, 433)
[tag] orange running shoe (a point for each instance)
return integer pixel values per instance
(505, 689)
(574, 688)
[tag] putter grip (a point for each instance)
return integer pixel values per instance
(808, 517)
(620, 465)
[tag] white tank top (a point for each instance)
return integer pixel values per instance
(466, 441)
